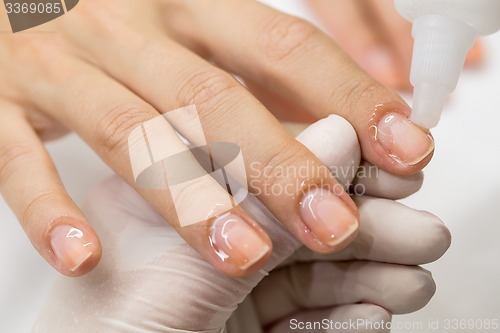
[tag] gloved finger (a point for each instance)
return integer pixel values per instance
(397, 288)
(368, 179)
(376, 182)
(30, 184)
(334, 142)
(390, 232)
(359, 318)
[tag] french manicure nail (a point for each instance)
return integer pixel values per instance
(235, 239)
(327, 216)
(70, 246)
(405, 141)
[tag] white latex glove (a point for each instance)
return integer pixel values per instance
(150, 280)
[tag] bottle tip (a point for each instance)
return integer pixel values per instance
(428, 103)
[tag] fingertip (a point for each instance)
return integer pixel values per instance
(373, 181)
(439, 238)
(73, 248)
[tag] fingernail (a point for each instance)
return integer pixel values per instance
(405, 142)
(233, 238)
(70, 247)
(327, 216)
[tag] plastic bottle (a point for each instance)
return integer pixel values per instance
(443, 32)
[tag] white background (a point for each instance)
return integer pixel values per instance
(462, 187)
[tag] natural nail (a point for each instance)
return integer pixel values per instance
(235, 239)
(405, 141)
(70, 247)
(328, 218)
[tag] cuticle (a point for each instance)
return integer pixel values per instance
(381, 110)
(211, 230)
(53, 224)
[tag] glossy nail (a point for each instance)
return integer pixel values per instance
(405, 142)
(328, 218)
(235, 240)
(70, 247)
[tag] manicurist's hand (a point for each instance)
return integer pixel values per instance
(109, 69)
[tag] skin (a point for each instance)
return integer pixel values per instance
(110, 65)
(376, 37)
(369, 279)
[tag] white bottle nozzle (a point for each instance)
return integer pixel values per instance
(428, 102)
(439, 51)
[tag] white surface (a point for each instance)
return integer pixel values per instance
(462, 187)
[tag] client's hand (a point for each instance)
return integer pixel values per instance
(150, 280)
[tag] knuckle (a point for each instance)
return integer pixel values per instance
(198, 199)
(351, 93)
(208, 90)
(116, 124)
(283, 36)
(46, 128)
(12, 157)
(103, 18)
(186, 196)
(46, 50)
(281, 164)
